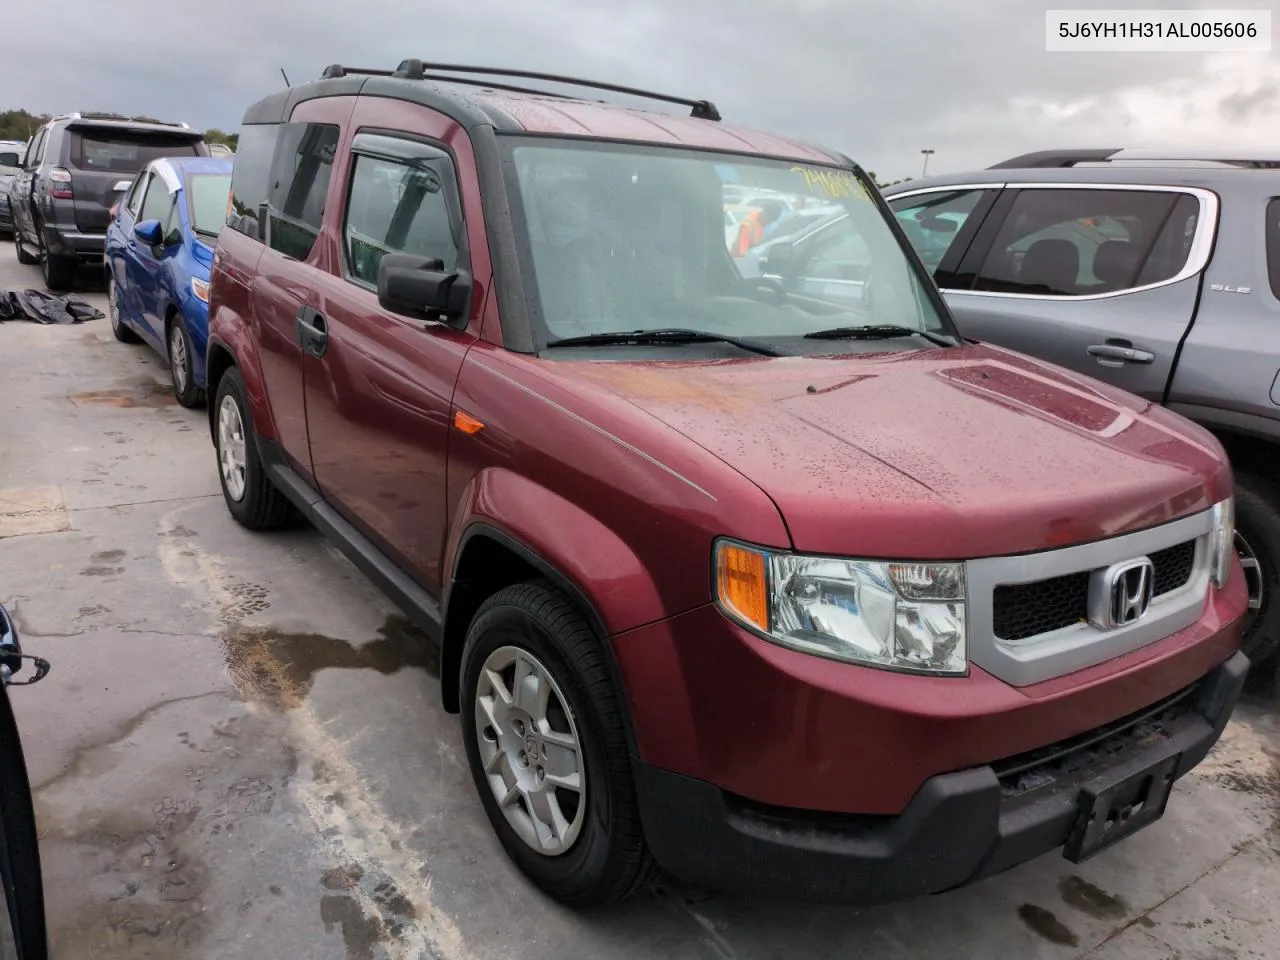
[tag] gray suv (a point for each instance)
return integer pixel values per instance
(11, 153)
(1157, 273)
(75, 170)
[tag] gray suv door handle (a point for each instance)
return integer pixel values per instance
(1115, 355)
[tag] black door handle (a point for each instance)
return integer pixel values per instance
(312, 330)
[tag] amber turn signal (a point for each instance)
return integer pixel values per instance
(742, 583)
(467, 423)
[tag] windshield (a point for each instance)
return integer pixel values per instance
(632, 238)
(207, 195)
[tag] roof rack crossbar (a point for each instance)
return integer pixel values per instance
(336, 70)
(701, 109)
(413, 69)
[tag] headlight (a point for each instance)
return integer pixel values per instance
(200, 288)
(895, 616)
(1223, 545)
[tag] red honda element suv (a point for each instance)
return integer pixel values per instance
(746, 566)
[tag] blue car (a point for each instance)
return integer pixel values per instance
(159, 250)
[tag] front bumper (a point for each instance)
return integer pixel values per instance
(957, 828)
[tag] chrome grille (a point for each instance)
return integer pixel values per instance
(1023, 610)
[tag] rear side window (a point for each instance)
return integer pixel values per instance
(251, 176)
(299, 182)
(37, 149)
(1273, 246)
(1080, 242)
(398, 208)
(123, 151)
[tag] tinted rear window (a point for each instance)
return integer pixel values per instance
(123, 151)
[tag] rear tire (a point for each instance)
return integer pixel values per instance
(1258, 527)
(24, 258)
(596, 853)
(250, 496)
(59, 272)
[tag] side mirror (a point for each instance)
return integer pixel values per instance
(10, 648)
(150, 232)
(780, 261)
(939, 225)
(418, 287)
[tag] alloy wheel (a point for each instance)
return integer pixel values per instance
(178, 357)
(531, 752)
(1253, 577)
(112, 310)
(231, 447)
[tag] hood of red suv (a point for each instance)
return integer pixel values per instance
(935, 454)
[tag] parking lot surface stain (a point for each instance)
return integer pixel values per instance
(1085, 897)
(1047, 925)
(279, 668)
(143, 392)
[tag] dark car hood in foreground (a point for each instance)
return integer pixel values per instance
(942, 453)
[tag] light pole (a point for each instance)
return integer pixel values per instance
(925, 169)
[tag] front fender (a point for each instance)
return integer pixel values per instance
(585, 553)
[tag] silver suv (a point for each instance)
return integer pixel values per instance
(1157, 273)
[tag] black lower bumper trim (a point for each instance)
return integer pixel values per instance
(959, 827)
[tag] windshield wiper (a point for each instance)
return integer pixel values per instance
(878, 331)
(672, 336)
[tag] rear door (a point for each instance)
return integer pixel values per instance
(103, 158)
(23, 194)
(1102, 279)
(290, 222)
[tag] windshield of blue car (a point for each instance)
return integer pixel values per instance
(207, 195)
(626, 238)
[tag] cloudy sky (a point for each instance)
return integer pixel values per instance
(879, 79)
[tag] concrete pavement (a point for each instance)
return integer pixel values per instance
(240, 751)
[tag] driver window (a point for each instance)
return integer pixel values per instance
(933, 221)
(136, 192)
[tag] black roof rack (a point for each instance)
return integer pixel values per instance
(413, 69)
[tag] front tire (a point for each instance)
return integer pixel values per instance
(542, 723)
(1258, 544)
(182, 369)
(249, 494)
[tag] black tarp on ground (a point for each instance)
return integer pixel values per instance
(40, 307)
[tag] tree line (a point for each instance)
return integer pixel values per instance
(22, 125)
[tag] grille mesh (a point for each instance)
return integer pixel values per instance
(1022, 610)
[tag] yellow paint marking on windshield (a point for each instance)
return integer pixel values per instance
(834, 183)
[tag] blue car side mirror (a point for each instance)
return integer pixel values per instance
(150, 232)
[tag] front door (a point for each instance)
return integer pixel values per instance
(290, 221)
(143, 266)
(379, 387)
(1102, 280)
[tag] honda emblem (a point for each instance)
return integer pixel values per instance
(1130, 589)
